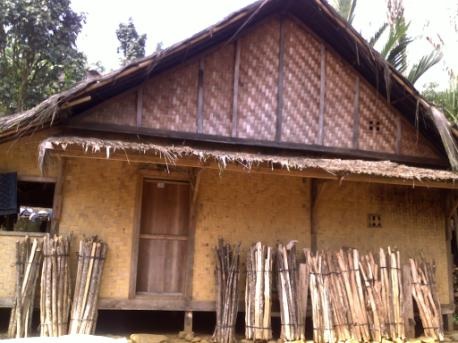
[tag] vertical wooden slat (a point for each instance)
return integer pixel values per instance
(235, 89)
(136, 238)
(58, 198)
(281, 64)
(313, 219)
(200, 98)
(408, 316)
(139, 106)
(398, 134)
(191, 237)
(356, 121)
(322, 95)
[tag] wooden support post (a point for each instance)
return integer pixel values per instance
(187, 322)
(200, 98)
(235, 89)
(58, 199)
(313, 217)
(195, 184)
(322, 95)
(281, 63)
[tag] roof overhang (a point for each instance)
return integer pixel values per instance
(156, 152)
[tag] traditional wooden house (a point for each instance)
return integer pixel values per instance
(278, 123)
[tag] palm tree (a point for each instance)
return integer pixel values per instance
(394, 49)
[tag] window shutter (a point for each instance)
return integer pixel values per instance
(8, 193)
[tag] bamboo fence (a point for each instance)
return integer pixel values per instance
(91, 257)
(258, 293)
(292, 309)
(227, 291)
(55, 286)
(28, 260)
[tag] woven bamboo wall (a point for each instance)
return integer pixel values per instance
(301, 92)
(170, 100)
(121, 110)
(218, 89)
(339, 103)
(377, 122)
(413, 144)
(258, 83)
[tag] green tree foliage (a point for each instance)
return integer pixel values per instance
(131, 44)
(38, 55)
(394, 48)
(446, 100)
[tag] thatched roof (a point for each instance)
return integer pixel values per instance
(317, 14)
(127, 150)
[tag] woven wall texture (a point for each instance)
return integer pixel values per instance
(170, 99)
(301, 96)
(257, 96)
(218, 85)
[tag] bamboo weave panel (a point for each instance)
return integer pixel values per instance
(375, 113)
(218, 90)
(121, 110)
(257, 96)
(170, 100)
(413, 143)
(301, 97)
(339, 103)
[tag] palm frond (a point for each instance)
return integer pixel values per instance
(424, 64)
(374, 39)
(346, 9)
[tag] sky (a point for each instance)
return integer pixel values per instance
(171, 21)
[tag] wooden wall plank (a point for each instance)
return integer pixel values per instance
(236, 89)
(58, 198)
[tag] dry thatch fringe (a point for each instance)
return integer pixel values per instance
(170, 154)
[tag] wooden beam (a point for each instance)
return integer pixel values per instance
(317, 173)
(139, 107)
(322, 96)
(58, 196)
(200, 98)
(281, 76)
(356, 116)
(235, 89)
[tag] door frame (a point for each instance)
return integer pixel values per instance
(166, 176)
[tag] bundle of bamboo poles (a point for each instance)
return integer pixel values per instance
(227, 291)
(91, 257)
(425, 294)
(356, 298)
(290, 294)
(258, 293)
(28, 260)
(55, 286)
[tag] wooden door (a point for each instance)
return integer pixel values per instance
(164, 227)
